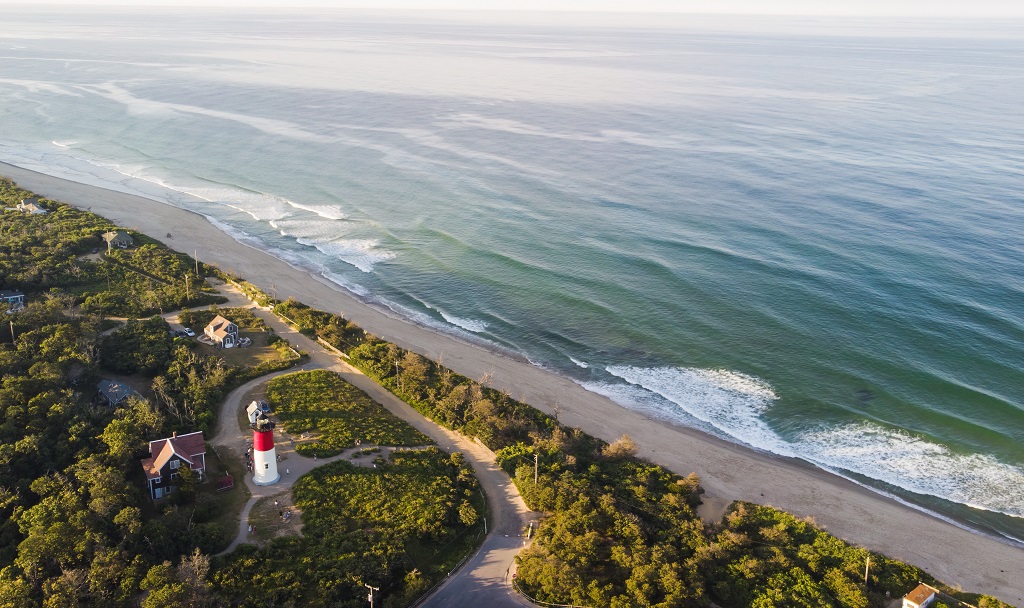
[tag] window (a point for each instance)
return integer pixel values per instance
(175, 464)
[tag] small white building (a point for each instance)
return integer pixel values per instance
(921, 596)
(224, 333)
(255, 409)
(31, 206)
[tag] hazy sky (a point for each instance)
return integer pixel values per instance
(922, 8)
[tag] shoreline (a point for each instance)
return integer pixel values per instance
(975, 561)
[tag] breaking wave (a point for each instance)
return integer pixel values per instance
(472, 325)
(733, 404)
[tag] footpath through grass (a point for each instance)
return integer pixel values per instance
(336, 414)
(400, 526)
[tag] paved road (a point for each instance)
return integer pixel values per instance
(482, 581)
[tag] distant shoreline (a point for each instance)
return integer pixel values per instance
(728, 471)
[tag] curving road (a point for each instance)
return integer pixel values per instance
(483, 579)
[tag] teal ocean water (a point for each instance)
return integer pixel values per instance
(803, 236)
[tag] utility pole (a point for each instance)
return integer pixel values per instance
(196, 257)
(372, 598)
(536, 468)
(188, 280)
(867, 564)
(12, 332)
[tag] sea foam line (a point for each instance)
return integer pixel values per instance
(734, 404)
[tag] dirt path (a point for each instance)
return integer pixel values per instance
(484, 578)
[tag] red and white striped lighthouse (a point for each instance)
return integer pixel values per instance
(264, 458)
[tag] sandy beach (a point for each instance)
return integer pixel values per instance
(956, 556)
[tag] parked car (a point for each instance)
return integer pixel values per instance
(189, 332)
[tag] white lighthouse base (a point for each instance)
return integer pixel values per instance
(265, 468)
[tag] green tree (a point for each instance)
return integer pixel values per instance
(467, 514)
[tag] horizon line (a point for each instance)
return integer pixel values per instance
(715, 11)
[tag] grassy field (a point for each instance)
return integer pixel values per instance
(335, 414)
(267, 521)
(402, 526)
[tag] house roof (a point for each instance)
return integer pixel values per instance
(117, 236)
(186, 447)
(152, 472)
(115, 392)
(29, 206)
(920, 594)
(219, 327)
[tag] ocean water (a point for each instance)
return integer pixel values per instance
(800, 235)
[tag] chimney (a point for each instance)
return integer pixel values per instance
(174, 435)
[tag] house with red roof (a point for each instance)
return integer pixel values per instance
(168, 456)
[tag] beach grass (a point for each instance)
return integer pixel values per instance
(335, 413)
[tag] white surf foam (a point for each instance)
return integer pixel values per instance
(293, 259)
(472, 325)
(728, 401)
(331, 212)
(734, 404)
(236, 233)
(257, 205)
(345, 282)
(916, 464)
(364, 254)
(641, 400)
(582, 364)
(329, 237)
(467, 324)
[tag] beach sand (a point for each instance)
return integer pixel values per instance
(955, 556)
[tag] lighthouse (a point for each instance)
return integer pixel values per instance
(264, 458)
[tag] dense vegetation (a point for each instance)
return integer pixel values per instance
(621, 531)
(51, 253)
(400, 526)
(333, 329)
(137, 347)
(244, 318)
(76, 525)
(336, 414)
